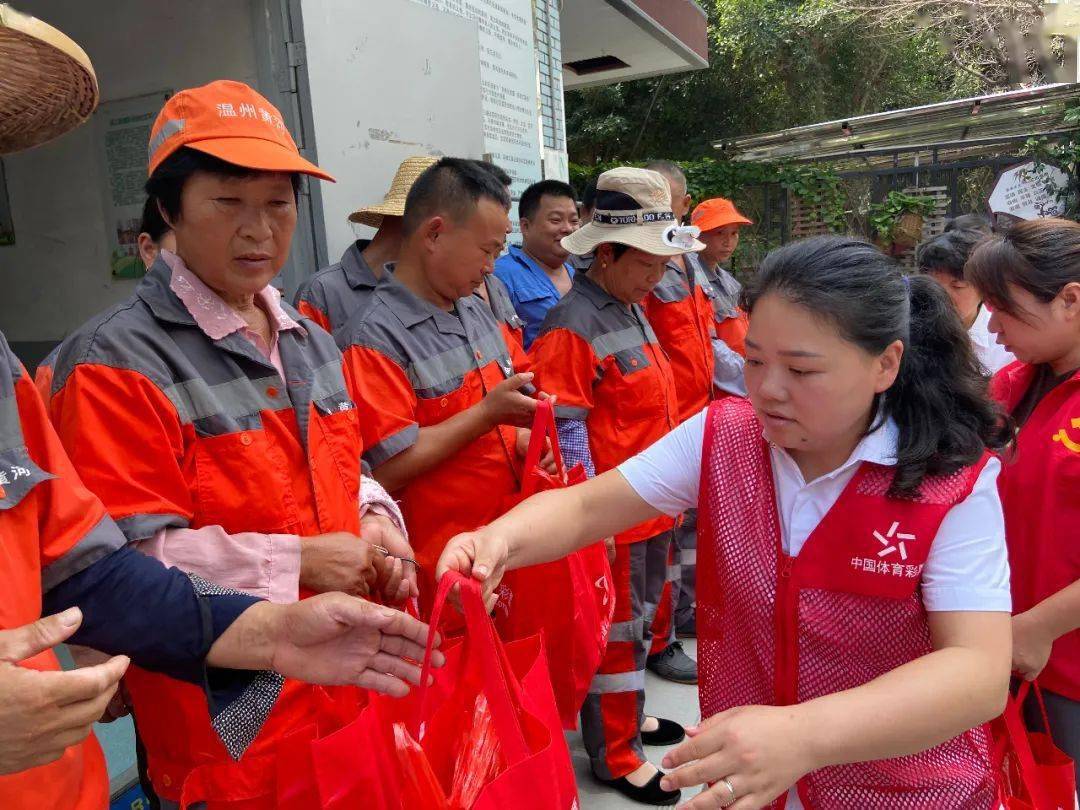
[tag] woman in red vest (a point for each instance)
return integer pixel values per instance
(1031, 277)
(853, 591)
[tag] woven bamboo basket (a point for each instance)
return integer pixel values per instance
(47, 84)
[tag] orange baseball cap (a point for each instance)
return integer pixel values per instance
(232, 122)
(717, 213)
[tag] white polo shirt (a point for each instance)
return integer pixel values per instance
(968, 566)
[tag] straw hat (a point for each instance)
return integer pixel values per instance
(47, 86)
(633, 207)
(393, 204)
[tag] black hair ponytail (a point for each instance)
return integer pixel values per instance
(939, 400)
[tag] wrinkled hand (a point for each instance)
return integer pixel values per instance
(337, 639)
(506, 405)
(340, 561)
(481, 555)
(547, 458)
(44, 713)
(760, 750)
(397, 580)
(1031, 646)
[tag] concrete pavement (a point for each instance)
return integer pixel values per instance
(662, 698)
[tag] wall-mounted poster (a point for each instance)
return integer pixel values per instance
(123, 128)
(508, 77)
(7, 224)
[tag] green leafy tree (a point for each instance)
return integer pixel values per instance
(773, 64)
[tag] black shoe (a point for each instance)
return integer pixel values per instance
(651, 793)
(667, 733)
(673, 664)
(687, 629)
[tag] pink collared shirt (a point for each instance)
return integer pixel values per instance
(218, 320)
(264, 565)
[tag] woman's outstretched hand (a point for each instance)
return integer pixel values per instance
(481, 555)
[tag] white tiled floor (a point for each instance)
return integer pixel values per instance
(663, 698)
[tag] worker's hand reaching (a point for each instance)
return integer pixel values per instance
(330, 639)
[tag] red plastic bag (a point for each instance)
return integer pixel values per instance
(485, 735)
(570, 601)
(1034, 773)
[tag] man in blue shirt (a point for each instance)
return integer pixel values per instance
(537, 274)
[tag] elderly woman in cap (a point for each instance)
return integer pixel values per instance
(615, 394)
(213, 421)
(64, 555)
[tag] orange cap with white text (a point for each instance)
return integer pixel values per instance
(231, 122)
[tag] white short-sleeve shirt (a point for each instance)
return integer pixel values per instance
(968, 566)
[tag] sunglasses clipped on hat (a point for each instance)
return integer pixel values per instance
(633, 208)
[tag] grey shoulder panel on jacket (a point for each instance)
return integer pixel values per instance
(124, 336)
(578, 314)
(374, 327)
(314, 287)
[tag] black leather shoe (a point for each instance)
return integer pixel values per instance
(673, 664)
(651, 793)
(667, 733)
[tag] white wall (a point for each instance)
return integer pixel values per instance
(56, 275)
(388, 79)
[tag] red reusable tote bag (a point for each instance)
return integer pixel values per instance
(1034, 773)
(484, 736)
(569, 601)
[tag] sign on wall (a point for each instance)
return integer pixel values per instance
(508, 82)
(1028, 191)
(123, 132)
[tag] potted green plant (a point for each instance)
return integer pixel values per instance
(897, 220)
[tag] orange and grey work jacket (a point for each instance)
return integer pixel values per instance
(332, 295)
(411, 365)
(171, 428)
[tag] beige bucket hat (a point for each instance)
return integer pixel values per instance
(393, 204)
(633, 207)
(47, 85)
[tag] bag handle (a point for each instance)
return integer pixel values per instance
(543, 428)
(1013, 718)
(1037, 691)
(493, 665)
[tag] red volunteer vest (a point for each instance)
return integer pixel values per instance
(1040, 491)
(778, 630)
